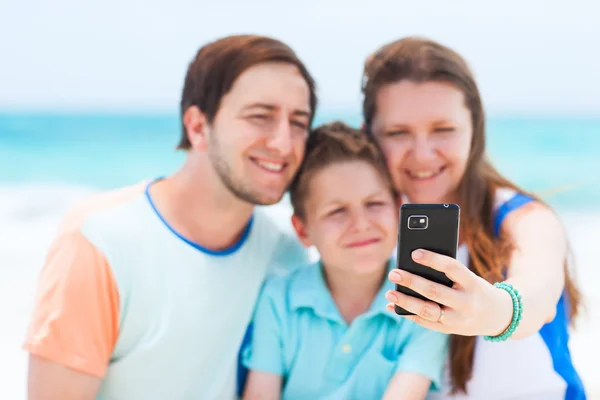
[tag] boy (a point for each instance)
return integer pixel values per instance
(322, 331)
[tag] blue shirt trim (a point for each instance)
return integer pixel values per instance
(555, 333)
(556, 337)
(242, 371)
(197, 246)
(515, 202)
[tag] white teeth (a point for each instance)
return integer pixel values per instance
(423, 174)
(275, 167)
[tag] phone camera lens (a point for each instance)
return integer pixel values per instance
(417, 222)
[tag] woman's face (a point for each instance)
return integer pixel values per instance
(425, 131)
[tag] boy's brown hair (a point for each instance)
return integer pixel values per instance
(333, 143)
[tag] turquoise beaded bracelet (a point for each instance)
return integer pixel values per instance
(517, 312)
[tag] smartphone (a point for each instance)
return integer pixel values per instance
(431, 227)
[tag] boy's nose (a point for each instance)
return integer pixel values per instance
(360, 220)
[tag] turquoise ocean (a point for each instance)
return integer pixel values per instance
(557, 157)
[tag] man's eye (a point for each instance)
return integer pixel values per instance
(259, 117)
(299, 124)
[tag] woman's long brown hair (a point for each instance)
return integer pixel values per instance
(422, 60)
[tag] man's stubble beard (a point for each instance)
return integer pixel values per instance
(234, 185)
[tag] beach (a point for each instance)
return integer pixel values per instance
(50, 161)
(30, 216)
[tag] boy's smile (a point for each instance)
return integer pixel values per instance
(365, 242)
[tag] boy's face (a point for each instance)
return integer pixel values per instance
(350, 216)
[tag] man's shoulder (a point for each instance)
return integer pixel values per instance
(108, 220)
(275, 219)
(275, 226)
(98, 204)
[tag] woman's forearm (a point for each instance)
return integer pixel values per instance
(473, 306)
(539, 307)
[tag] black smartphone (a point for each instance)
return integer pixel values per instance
(431, 227)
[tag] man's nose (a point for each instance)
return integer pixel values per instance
(280, 139)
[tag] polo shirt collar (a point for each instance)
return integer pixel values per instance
(309, 290)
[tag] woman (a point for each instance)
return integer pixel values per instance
(422, 105)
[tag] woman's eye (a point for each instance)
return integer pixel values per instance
(444, 129)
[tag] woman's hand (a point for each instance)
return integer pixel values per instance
(471, 307)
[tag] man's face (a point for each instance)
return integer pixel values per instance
(257, 139)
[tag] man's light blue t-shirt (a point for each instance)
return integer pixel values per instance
(300, 335)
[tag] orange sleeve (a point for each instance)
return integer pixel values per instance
(76, 312)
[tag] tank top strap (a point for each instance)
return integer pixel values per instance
(503, 208)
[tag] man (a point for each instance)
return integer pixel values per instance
(147, 290)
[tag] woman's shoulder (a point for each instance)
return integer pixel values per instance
(517, 211)
(512, 198)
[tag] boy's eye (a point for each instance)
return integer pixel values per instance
(376, 204)
(336, 211)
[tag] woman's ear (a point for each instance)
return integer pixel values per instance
(300, 228)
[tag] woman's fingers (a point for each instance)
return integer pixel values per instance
(433, 291)
(434, 326)
(452, 268)
(424, 309)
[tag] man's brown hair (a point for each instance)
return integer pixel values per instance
(218, 64)
(333, 143)
(422, 60)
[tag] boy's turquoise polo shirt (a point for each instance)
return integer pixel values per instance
(300, 335)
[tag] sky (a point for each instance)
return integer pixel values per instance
(528, 56)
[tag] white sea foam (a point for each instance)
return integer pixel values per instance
(29, 216)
